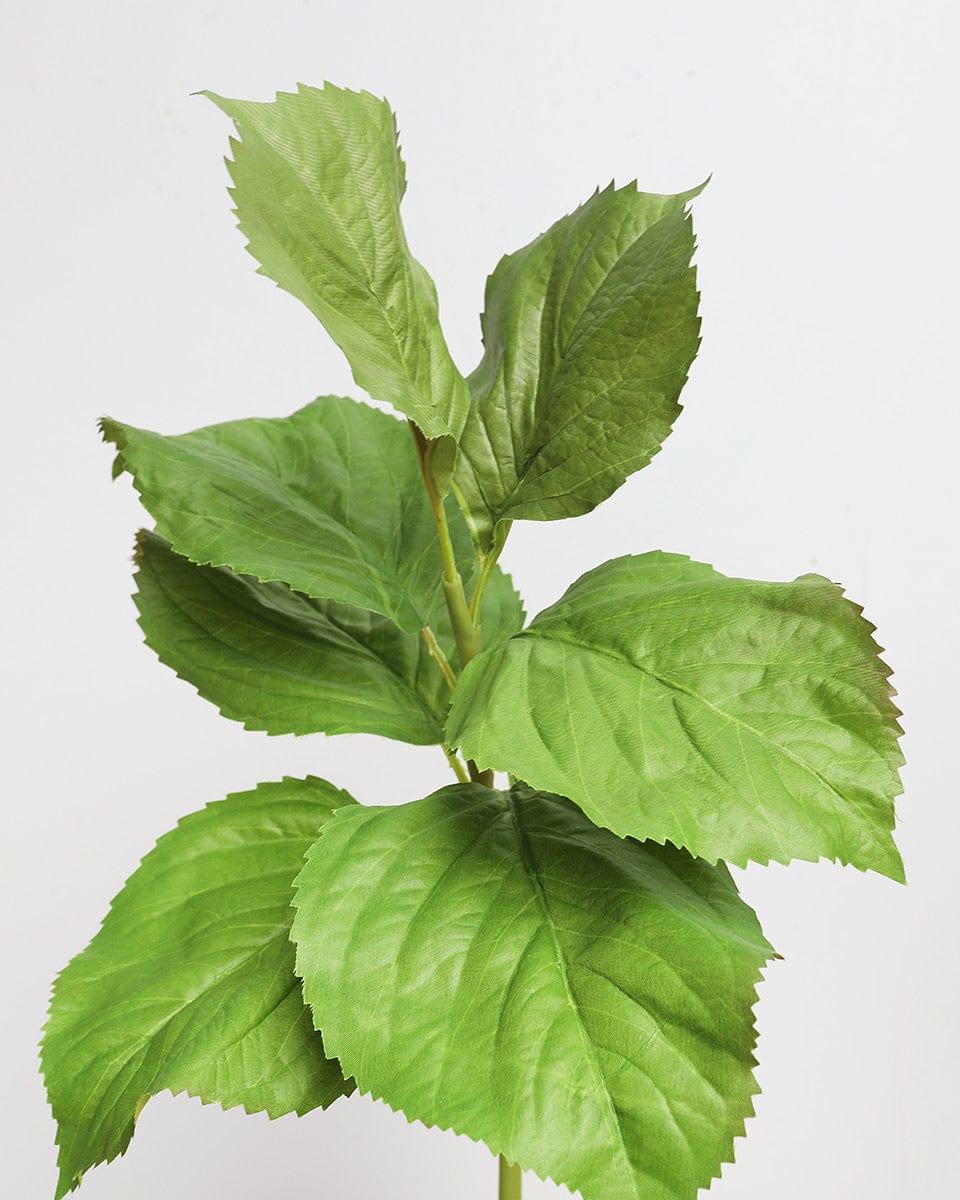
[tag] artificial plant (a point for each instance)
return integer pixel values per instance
(559, 965)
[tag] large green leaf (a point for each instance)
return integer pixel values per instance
(286, 663)
(318, 183)
(745, 721)
(589, 333)
(189, 984)
(329, 500)
(493, 963)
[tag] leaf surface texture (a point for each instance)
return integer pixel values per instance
(189, 984)
(328, 500)
(745, 721)
(494, 963)
(283, 662)
(318, 181)
(589, 332)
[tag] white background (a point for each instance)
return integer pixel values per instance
(820, 433)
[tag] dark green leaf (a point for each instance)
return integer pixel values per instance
(589, 333)
(493, 963)
(189, 984)
(286, 663)
(745, 721)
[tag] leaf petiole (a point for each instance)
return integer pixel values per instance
(487, 564)
(438, 656)
(456, 765)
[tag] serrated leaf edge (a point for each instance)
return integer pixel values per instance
(895, 754)
(110, 431)
(738, 1129)
(248, 723)
(75, 1182)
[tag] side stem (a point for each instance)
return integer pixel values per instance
(487, 564)
(438, 656)
(465, 632)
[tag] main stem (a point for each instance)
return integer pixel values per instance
(510, 1180)
(465, 620)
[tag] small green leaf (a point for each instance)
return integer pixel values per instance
(745, 721)
(589, 333)
(329, 501)
(285, 663)
(318, 183)
(189, 984)
(495, 964)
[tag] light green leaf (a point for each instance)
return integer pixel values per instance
(589, 333)
(286, 663)
(329, 501)
(189, 984)
(495, 964)
(318, 183)
(745, 721)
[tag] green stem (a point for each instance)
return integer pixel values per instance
(438, 656)
(466, 634)
(488, 562)
(465, 620)
(511, 1180)
(456, 765)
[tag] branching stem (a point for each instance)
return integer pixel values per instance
(465, 632)
(456, 765)
(465, 621)
(487, 564)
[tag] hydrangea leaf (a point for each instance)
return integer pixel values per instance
(745, 721)
(329, 501)
(318, 181)
(189, 984)
(589, 332)
(494, 963)
(283, 662)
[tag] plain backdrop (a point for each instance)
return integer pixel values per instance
(819, 433)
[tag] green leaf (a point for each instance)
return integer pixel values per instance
(318, 183)
(588, 333)
(283, 662)
(329, 501)
(189, 984)
(495, 964)
(286, 663)
(745, 721)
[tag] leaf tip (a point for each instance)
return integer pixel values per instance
(894, 868)
(694, 192)
(221, 102)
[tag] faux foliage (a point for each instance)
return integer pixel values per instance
(561, 967)
(579, 1001)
